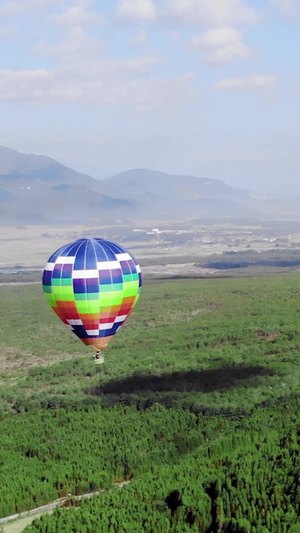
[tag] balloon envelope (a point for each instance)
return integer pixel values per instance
(92, 285)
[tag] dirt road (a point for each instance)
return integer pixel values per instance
(17, 522)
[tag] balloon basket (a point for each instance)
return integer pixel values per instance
(98, 359)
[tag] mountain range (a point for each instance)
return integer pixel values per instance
(36, 189)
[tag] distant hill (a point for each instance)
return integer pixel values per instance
(133, 183)
(36, 189)
(174, 196)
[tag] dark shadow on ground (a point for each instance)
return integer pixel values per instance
(209, 380)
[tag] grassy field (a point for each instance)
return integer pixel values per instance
(203, 372)
(226, 331)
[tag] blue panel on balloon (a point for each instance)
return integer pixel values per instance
(125, 267)
(100, 251)
(116, 326)
(131, 265)
(72, 250)
(66, 250)
(105, 332)
(80, 332)
(105, 277)
(111, 256)
(80, 257)
(57, 270)
(91, 259)
(117, 276)
(92, 285)
(56, 254)
(79, 286)
(47, 276)
(67, 271)
(118, 250)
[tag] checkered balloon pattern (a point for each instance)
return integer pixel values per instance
(92, 285)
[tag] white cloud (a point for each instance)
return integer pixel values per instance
(140, 37)
(77, 15)
(83, 74)
(13, 8)
(24, 85)
(76, 47)
(112, 88)
(251, 83)
(211, 12)
(79, 54)
(137, 9)
(221, 45)
(124, 67)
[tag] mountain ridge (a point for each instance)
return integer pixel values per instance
(38, 189)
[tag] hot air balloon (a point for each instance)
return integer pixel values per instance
(92, 285)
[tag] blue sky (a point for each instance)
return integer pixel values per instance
(203, 87)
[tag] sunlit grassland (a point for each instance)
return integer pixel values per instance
(240, 336)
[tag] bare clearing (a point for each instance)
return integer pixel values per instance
(14, 363)
(17, 526)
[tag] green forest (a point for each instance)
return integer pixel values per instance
(196, 408)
